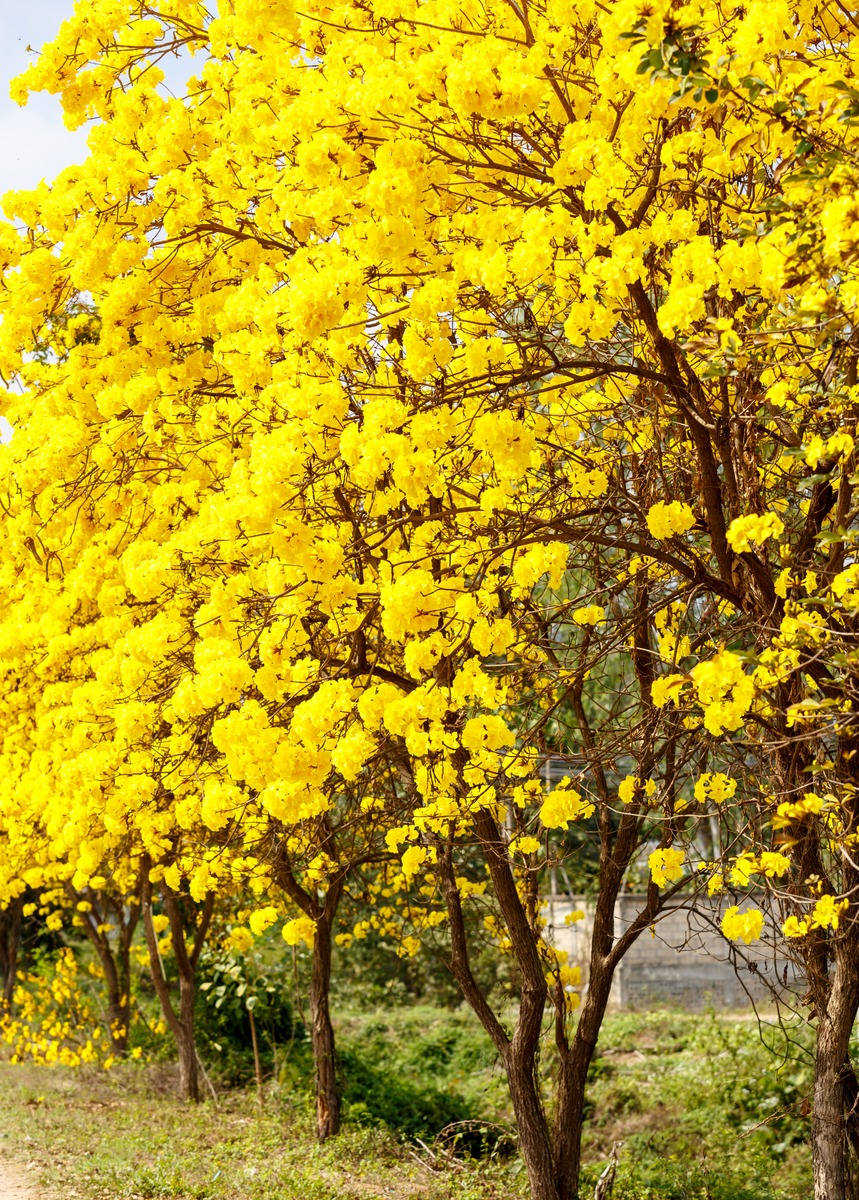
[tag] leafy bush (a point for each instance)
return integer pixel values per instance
(377, 1095)
(419, 1071)
(233, 989)
(54, 1019)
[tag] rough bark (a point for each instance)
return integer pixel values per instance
(10, 933)
(322, 1034)
(115, 958)
(535, 1139)
(321, 1028)
(831, 962)
(572, 1080)
(181, 1023)
(117, 1004)
(521, 1054)
(189, 1075)
(829, 1121)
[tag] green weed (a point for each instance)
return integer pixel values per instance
(706, 1108)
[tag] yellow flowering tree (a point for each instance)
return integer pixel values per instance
(429, 389)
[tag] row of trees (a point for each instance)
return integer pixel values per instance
(423, 393)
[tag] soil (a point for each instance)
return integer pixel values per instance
(13, 1185)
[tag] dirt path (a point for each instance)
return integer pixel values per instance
(13, 1185)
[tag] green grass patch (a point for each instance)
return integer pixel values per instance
(704, 1109)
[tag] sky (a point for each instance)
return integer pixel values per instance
(34, 142)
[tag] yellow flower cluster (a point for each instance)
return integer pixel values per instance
(716, 787)
(564, 805)
(742, 926)
(666, 866)
(666, 520)
(744, 531)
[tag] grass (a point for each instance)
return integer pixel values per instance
(702, 1107)
(707, 1108)
(119, 1135)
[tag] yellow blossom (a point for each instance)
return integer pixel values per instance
(666, 866)
(666, 520)
(300, 929)
(745, 530)
(742, 926)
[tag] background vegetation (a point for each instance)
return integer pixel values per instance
(701, 1106)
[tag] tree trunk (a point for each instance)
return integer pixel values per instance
(182, 1023)
(117, 1014)
(569, 1118)
(321, 1029)
(832, 969)
(12, 918)
(535, 1143)
(829, 1142)
(322, 1034)
(573, 1077)
(186, 1042)
(827, 1136)
(519, 1053)
(123, 970)
(189, 1074)
(115, 957)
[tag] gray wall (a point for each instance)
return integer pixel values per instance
(683, 961)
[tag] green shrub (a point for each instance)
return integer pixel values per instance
(231, 987)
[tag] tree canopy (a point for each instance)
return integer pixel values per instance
(426, 390)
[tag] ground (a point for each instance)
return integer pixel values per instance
(14, 1184)
(703, 1109)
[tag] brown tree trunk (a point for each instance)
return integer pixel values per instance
(829, 1140)
(127, 916)
(117, 1010)
(535, 1140)
(115, 957)
(321, 1028)
(186, 1042)
(519, 1053)
(569, 1115)
(828, 1147)
(181, 1024)
(831, 963)
(573, 1076)
(12, 918)
(322, 1032)
(552, 1157)
(121, 1014)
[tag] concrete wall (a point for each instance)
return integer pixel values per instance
(682, 961)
